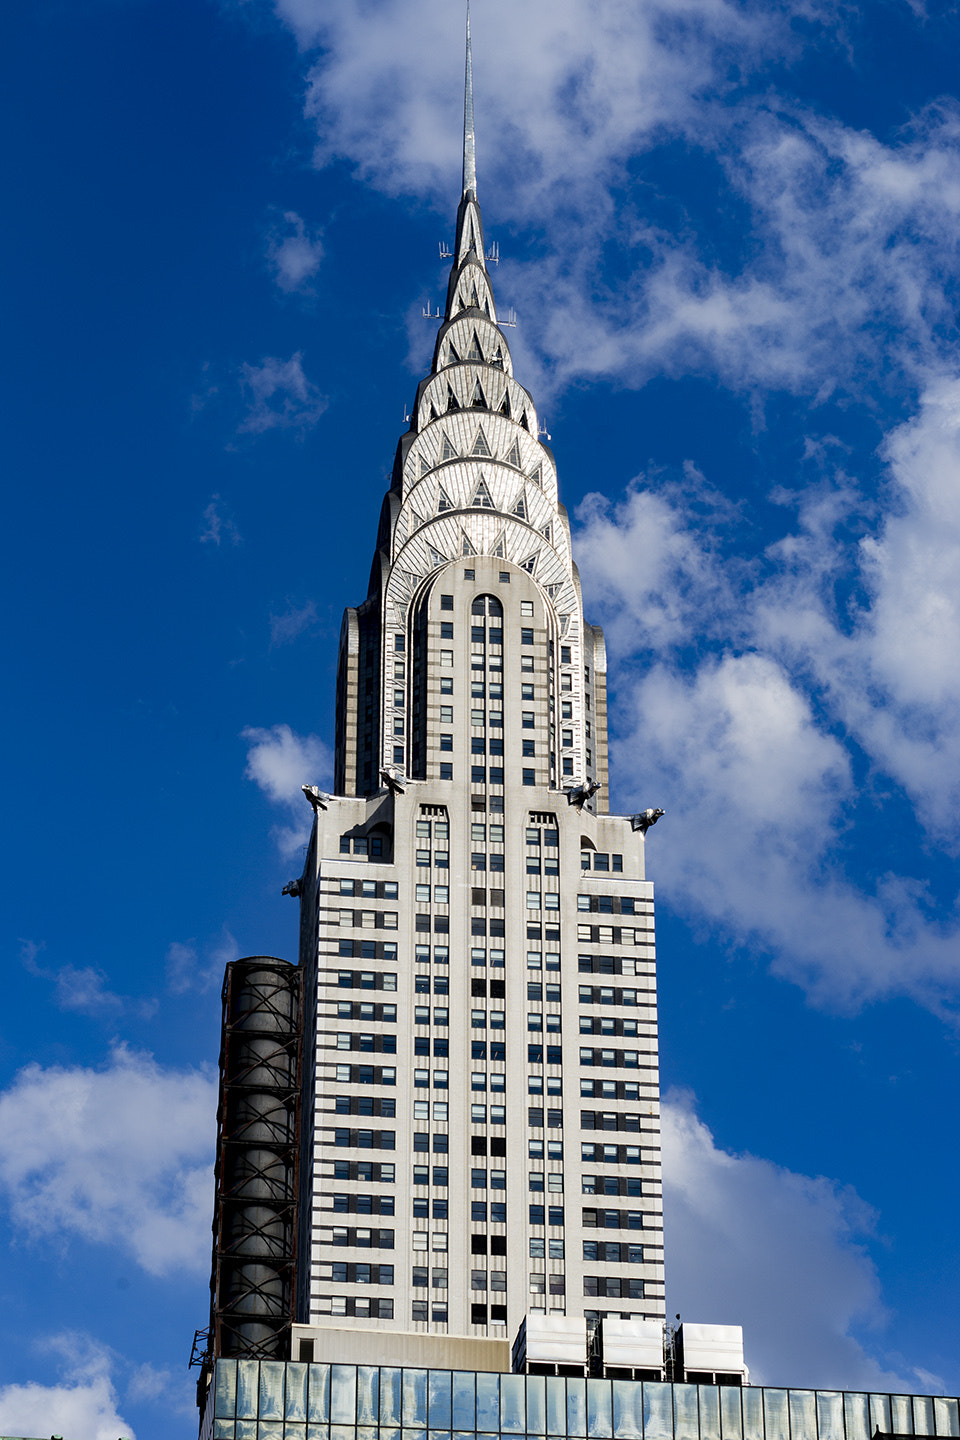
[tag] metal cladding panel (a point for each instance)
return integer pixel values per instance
(559, 1339)
(633, 1344)
(712, 1347)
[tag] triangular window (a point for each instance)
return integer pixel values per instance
(452, 357)
(417, 520)
(452, 402)
(523, 421)
(479, 400)
(436, 558)
(564, 624)
(537, 476)
(447, 452)
(498, 358)
(482, 498)
(444, 502)
(465, 547)
(480, 445)
(486, 308)
(498, 550)
(433, 412)
(475, 353)
(520, 508)
(424, 465)
(513, 454)
(530, 564)
(545, 531)
(553, 591)
(475, 298)
(505, 406)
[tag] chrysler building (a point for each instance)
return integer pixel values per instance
(480, 1127)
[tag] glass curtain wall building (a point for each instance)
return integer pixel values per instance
(267, 1401)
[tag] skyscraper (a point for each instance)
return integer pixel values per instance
(453, 1098)
(480, 1133)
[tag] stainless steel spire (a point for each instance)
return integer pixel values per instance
(469, 147)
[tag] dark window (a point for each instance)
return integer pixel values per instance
(446, 602)
(446, 771)
(446, 629)
(526, 636)
(529, 747)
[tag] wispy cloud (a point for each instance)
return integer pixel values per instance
(119, 1155)
(84, 1402)
(82, 988)
(752, 697)
(192, 968)
(218, 526)
(294, 254)
(279, 761)
(279, 396)
(784, 1255)
(292, 623)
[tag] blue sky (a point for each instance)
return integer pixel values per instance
(730, 234)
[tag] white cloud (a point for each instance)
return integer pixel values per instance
(280, 762)
(82, 988)
(189, 970)
(294, 254)
(120, 1155)
(752, 697)
(784, 1255)
(842, 266)
(292, 623)
(218, 526)
(279, 396)
(84, 1403)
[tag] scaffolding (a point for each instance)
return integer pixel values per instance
(252, 1284)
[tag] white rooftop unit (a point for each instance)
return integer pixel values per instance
(551, 1340)
(633, 1344)
(716, 1349)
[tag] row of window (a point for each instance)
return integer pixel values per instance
(353, 1272)
(373, 1308)
(343, 1204)
(365, 919)
(614, 904)
(540, 1284)
(368, 950)
(384, 1107)
(609, 1025)
(366, 1075)
(613, 935)
(366, 1043)
(612, 1252)
(382, 889)
(357, 1010)
(613, 965)
(366, 980)
(619, 1059)
(613, 1286)
(619, 1154)
(600, 860)
(370, 845)
(479, 776)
